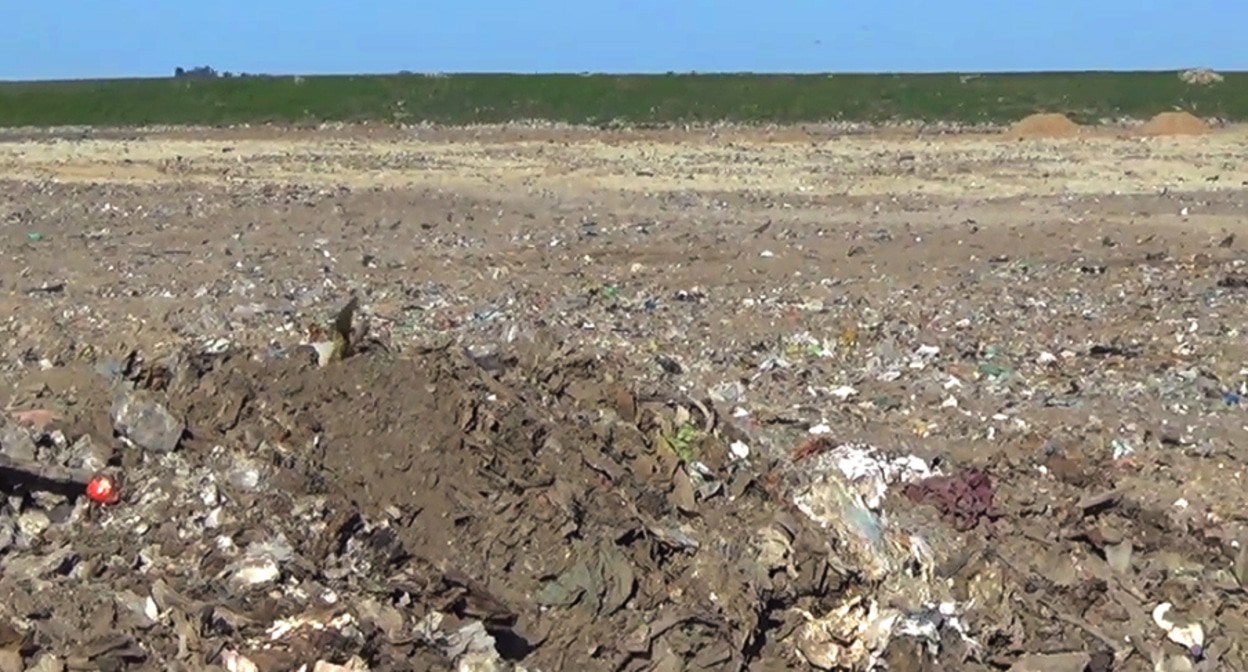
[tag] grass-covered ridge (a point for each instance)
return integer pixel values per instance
(599, 99)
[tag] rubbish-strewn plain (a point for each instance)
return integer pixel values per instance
(542, 399)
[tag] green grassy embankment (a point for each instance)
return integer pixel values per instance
(601, 99)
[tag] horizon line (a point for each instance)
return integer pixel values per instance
(222, 74)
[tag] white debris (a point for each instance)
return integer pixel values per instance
(285, 626)
(324, 352)
(150, 610)
(234, 661)
(1121, 449)
(261, 563)
(843, 392)
(848, 637)
(255, 570)
(873, 474)
(471, 647)
(854, 635)
(841, 490)
(217, 346)
(1188, 634)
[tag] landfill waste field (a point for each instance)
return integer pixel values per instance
(541, 399)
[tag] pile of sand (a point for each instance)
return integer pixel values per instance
(1046, 125)
(1174, 123)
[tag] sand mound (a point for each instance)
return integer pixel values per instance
(1045, 125)
(1174, 123)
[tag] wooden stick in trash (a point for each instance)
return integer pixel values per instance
(46, 476)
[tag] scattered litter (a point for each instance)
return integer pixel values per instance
(966, 498)
(1182, 631)
(237, 662)
(846, 638)
(38, 419)
(470, 646)
(103, 489)
(260, 564)
(524, 445)
(1119, 556)
(862, 465)
(42, 475)
(843, 392)
(335, 342)
(145, 423)
(1121, 449)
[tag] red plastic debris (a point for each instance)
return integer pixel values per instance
(103, 490)
(965, 498)
(813, 446)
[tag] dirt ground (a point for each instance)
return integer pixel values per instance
(721, 400)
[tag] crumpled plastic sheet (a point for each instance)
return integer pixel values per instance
(854, 635)
(470, 646)
(964, 498)
(842, 487)
(862, 465)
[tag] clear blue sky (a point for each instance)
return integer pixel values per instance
(41, 39)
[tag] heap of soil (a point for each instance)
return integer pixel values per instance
(1044, 125)
(1174, 123)
(502, 476)
(531, 493)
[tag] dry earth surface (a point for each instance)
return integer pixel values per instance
(624, 401)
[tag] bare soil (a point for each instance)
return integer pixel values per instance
(589, 402)
(1174, 123)
(1044, 125)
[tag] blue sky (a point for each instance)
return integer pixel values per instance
(42, 39)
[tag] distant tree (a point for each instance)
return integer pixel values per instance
(201, 72)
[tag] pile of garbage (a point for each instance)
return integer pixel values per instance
(529, 510)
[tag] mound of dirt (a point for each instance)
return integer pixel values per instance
(1044, 125)
(1174, 123)
(531, 510)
